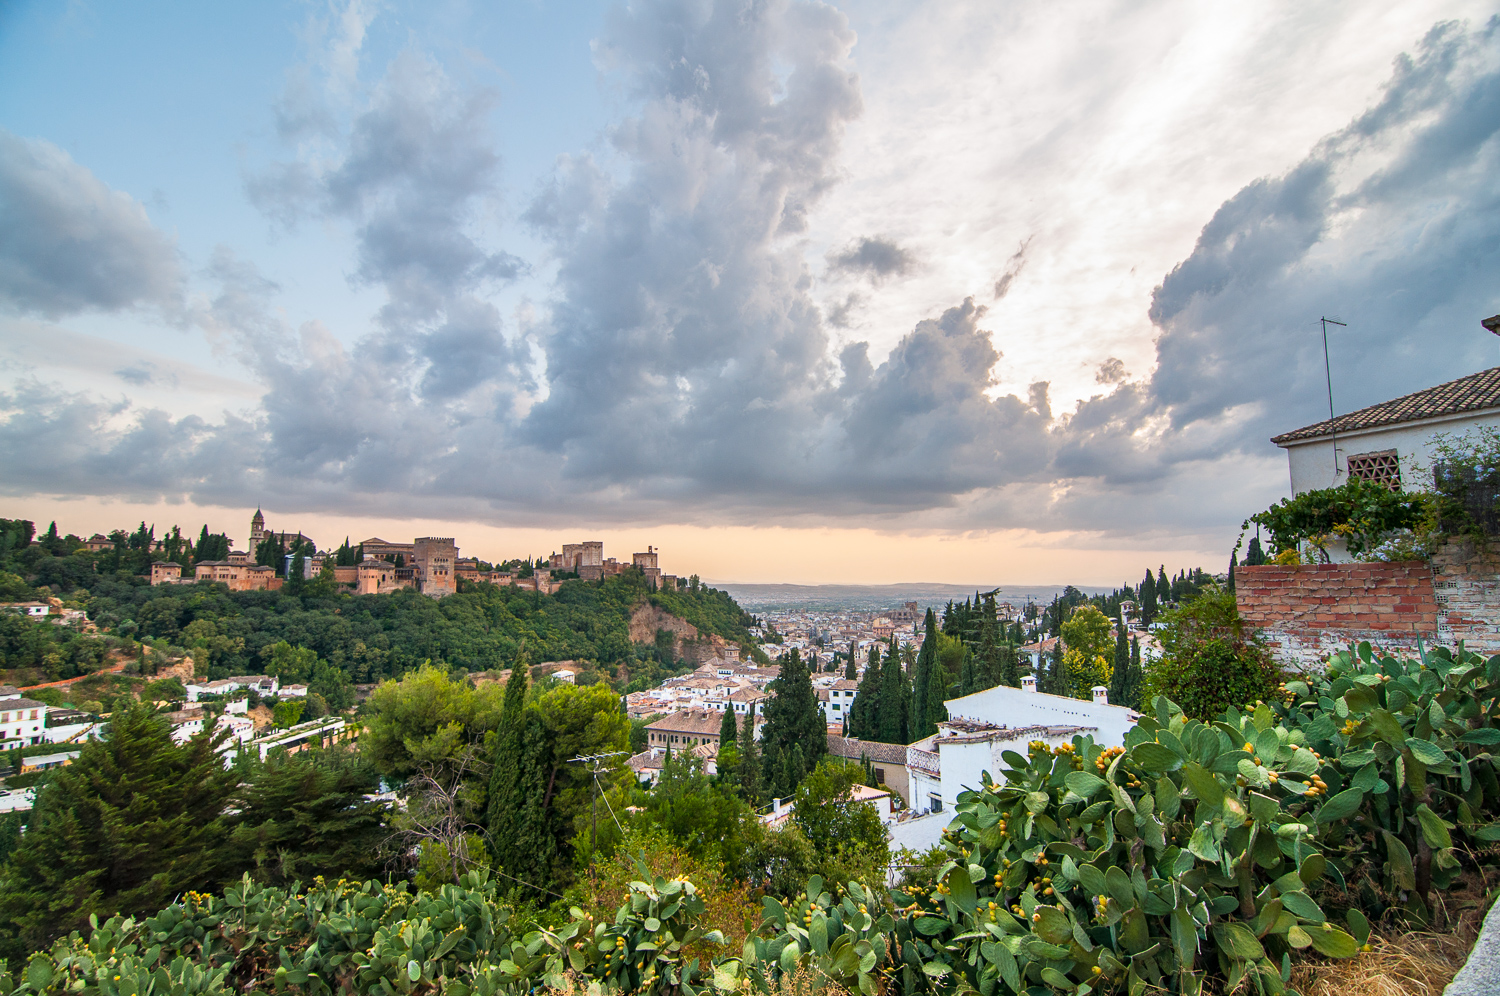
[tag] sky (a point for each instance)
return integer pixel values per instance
(868, 292)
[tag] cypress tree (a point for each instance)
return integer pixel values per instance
(851, 672)
(750, 762)
(134, 821)
(728, 730)
(895, 699)
(926, 674)
(1130, 692)
(1234, 561)
(864, 713)
(1164, 592)
(1255, 556)
(1010, 666)
(1119, 679)
(1148, 598)
(1056, 679)
(795, 734)
(519, 836)
(966, 680)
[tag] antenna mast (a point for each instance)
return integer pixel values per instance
(1328, 377)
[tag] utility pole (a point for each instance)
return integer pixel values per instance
(596, 760)
(1328, 376)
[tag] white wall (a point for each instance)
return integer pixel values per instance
(1312, 466)
(1003, 705)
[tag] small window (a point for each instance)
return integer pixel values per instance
(1381, 467)
(879, 776)
(937, 803)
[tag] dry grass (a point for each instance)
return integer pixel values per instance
(1414, 963)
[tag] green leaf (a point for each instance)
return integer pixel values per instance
(1361, 698)
(1487, 737)
(1056, 979)
(413, 970)
(936, 969)
(1359, 926)
(1119, 886)
(1236, 939)
(961, 890)
(1184, 937)
(1092, 880)
(1399, 859)
(1341, 806)
(1333, 943)
(1054, 927)
(1203, 844)
(1427, 752)
(1204, 785)
(1388, 727)
(1302, 905)
(1155, 758)
(1083, 784)
(1434, 830)
(931, 925)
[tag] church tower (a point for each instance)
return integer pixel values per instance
(257, 530)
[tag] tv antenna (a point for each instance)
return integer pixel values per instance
(1328, 377)
(595, 760)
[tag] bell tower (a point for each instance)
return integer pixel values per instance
(257, 530)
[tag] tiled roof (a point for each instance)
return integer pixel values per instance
(689, 721)
(1473, 393)
(875, 751)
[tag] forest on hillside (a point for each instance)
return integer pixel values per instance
(366, 637)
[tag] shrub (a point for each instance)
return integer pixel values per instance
(1209, 663)
(1360, 513)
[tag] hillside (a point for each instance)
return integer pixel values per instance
(368, 637)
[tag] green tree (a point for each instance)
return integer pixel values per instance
(1121, 675)
(864, 712)
(426, 717)
(287, 713)
(795, 734)
(303, 815)
(895, 698)
(729, 731)
(827, 813)
(928, 685)
(133, 822)
(1209, 662)
(851, 670)
(750, 774)
(1087, 631)
(1010, 666)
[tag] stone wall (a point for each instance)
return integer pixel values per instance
(1309, 611)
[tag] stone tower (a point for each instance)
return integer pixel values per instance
(257, 530)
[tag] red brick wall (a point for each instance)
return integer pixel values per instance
(1307, 612)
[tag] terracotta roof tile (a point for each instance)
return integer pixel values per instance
(1467, 394)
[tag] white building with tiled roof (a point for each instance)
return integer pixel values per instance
(1391, 442)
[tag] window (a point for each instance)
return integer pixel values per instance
(1380, 467)
(879, 776)
(936, 802)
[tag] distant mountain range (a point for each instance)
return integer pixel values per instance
(872, 597)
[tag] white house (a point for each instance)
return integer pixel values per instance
(1391, 442)
(33, 609)
(957, 756)
(23, 720)
(265, 685)
(1025, 706)
(835, 700)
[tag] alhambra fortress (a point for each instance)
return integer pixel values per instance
(428, 564)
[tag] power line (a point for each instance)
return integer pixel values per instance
(596, 759)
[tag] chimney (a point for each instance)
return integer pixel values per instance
(1028, 683)
(1101, 695)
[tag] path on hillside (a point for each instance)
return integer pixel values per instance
(112, 669)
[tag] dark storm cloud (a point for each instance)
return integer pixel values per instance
(1392, 223)
(68, 243)
(874, 257)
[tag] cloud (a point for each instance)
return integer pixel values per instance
(682, 367)
(1390, 223)
(873, 257)
(70, 244)
(1013, 268)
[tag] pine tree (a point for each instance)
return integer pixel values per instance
(303, 815)
(864, 713)
(895, 699)
(750, 780)
(133, 822)
(795, 734)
